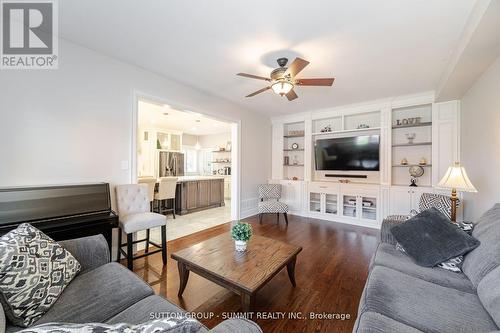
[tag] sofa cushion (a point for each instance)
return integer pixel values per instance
(167, 325)
(486, 256)
(424, 305)
(430, 239)
(387, 255)
(149, 308)
(98, 295)
(372, 322)
(34, 271)
(489, 294)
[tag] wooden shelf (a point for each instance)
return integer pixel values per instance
(348, 131)
(221, 151)
(294, 136)
(221, 162)
(293, 165)
(410, 165)
(293, 149)
(413, 125)
(412, 144)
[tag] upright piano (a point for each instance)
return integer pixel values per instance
(60, 211)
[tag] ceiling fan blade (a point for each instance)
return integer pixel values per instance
(258, 92)
(251, 76)
(297, 65)
(315, 82)
(291, 95)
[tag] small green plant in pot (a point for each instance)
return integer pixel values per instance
(241, 233)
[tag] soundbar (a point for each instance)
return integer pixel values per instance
(333, 175)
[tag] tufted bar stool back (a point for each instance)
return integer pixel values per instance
(134, 215)
(151, 182)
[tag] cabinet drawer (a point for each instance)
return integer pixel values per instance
(324, 188)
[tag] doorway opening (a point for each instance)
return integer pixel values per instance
(199, 152)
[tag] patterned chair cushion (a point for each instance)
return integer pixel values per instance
(272, 207)
(439, 201)
(270, 191)
(34, 270)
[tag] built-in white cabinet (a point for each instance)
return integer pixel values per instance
(404, 198)
(414, 131)
(344, 203)
(291, 194)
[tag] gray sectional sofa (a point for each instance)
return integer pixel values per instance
(403, 297)
(107, 292)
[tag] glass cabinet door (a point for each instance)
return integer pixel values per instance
(369, 208)
(331, 204)
(315, 202)
(349, 206)
(175, 142)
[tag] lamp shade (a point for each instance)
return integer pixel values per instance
(456, 178)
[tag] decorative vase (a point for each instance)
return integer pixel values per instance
(240, 246)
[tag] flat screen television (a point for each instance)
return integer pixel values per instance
(358, 153)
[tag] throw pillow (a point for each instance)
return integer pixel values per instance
(34, 270)
(182, 324)
(430, 239)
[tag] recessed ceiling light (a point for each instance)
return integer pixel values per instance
(198, 120)
(165, 113)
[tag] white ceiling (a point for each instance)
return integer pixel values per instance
(375, 49)
(168, 118)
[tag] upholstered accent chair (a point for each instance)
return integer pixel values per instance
(269, 196)
(134, 215)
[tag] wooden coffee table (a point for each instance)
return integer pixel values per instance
(241, 272)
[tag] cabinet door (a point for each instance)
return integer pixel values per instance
(315, 202)
(400, 201)
(416, 193)
(191, 195)
(369, 208)
(175, 142)
(331, 204)
(216, 191)
(203, 193)
(350, 205)
(291, 194)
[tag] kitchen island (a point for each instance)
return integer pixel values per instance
(195, 193)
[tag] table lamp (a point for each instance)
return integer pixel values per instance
(456, 179)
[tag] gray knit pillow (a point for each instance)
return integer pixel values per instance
(34, 270)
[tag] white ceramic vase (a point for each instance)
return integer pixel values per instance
(240, 246)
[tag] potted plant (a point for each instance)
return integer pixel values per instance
(241, 233)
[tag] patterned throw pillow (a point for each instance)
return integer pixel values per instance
(177, 325)
(34, 270)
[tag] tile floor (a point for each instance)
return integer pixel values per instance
(190, 223)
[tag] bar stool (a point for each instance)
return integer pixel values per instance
(166, 191)
(134, 215)
(151, 182)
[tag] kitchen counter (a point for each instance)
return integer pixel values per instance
(196, 178)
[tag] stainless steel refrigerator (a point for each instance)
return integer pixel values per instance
(171, 164)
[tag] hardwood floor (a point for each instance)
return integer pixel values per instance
(330, 272)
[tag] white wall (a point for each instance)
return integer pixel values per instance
(74, 124)
(214, 140)
(480, 141)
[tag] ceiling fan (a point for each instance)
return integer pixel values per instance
(283, 79)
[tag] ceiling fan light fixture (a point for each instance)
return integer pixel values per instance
(282, 87)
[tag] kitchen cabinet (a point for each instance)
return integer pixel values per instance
(291, 194)
(198, 194)
(360, 205)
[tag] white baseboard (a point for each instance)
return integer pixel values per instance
(248, 207)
